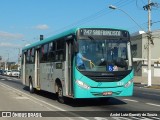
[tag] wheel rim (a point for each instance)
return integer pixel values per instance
(30, 86)
(60, 95)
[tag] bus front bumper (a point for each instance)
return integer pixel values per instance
(86, 92)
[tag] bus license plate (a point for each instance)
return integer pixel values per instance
(107, 93)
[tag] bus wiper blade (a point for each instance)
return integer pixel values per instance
(90, 37)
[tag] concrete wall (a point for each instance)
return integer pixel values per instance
(136, 42)
(144, 80)
(142, 52)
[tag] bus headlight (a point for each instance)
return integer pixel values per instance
(82, 84)
(128, 83)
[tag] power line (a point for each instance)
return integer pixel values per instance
(120, 2)
(155, 22)
(126, 3)
(123, 3)
(143, 25)
(92, 17)
(86, 19)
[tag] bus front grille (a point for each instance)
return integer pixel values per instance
(106, 78)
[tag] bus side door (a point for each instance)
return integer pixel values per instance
(24, 68)
(37, 69)
(68, 67)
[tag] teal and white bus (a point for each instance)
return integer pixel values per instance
(51, 64)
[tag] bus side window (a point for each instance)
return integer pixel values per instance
(32, 56)
(51, 52)
(28, 56)
(44, 53)
(60, 50)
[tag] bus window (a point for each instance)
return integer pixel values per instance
(44, 53)
(32, 56)
(60, 50)
(28, 56)
(60, 44)
(51, 52)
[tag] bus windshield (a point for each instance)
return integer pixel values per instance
(105, 55)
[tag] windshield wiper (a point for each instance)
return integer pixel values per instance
(90, 37)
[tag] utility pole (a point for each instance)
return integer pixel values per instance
(150, 39)
(149, 46)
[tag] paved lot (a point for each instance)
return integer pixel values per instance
(16, 105)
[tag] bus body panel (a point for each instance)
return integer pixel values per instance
(49, 72)
(98, 88)
(81, 77)
(98, 92)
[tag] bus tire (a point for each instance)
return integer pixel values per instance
(60, 96)
(31, 89)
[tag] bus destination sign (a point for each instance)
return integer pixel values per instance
(100, 32)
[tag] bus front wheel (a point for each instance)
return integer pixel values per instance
(60, 94)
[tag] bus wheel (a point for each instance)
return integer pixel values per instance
(60, 94)
(31, 89)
